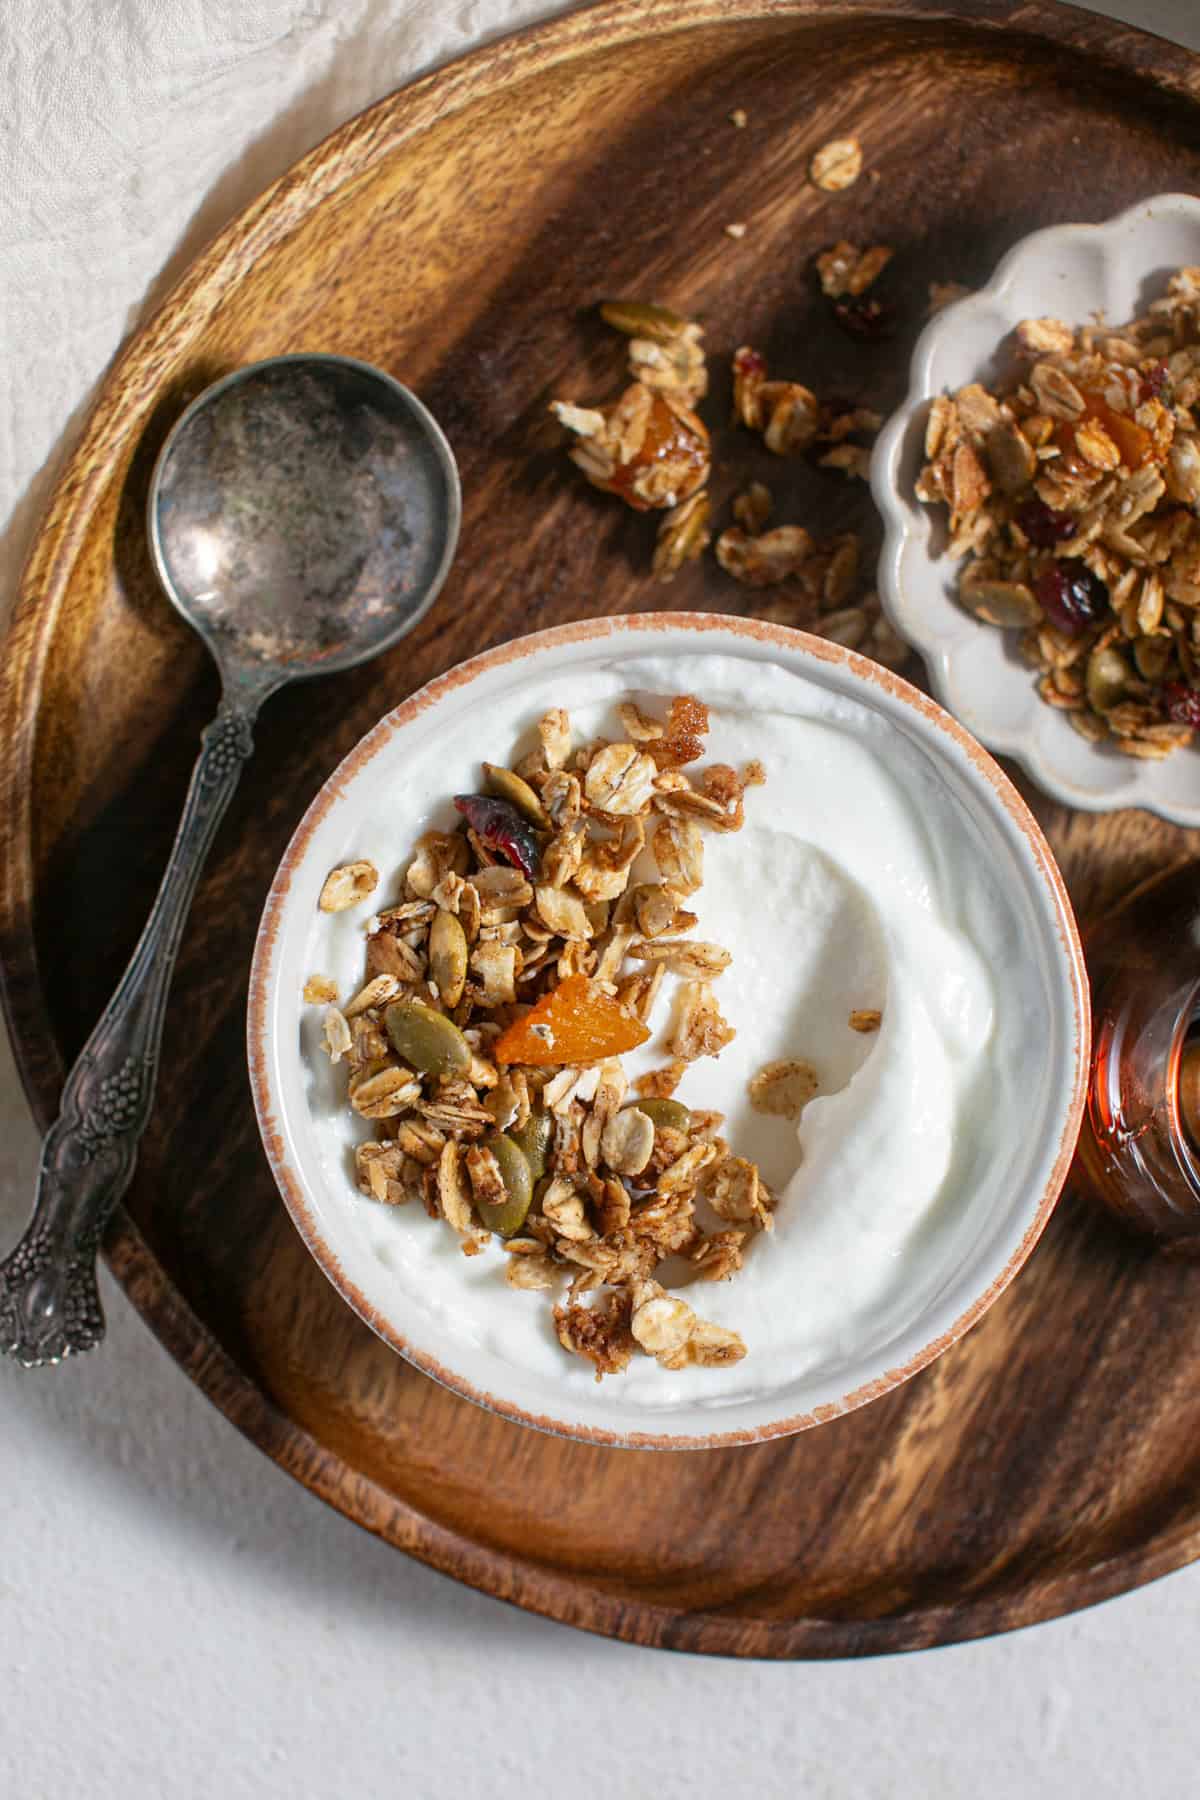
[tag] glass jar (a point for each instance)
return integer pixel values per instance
(1140, 1144)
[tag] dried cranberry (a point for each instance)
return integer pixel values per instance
(1070, 595)
(749, 362)
(1156, 383)
(865, 317)
(1042, 525)
(1183, 703)
(500, 827)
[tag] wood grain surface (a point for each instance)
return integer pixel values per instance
(459, 235)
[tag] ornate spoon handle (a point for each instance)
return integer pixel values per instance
(49, 1301)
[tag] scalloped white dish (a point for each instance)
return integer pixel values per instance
(1070, 272)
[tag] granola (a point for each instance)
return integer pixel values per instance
(845, 269)
(503, 989)
(836, 165)
(650, 449)
(346, 886)
(1073, 493)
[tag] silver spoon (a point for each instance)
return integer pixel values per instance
(303, 514)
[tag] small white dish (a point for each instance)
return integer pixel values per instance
(988, 1221)
(1069, 272)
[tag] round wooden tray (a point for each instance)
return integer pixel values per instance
(459, 234)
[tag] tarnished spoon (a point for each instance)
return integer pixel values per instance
(303, 513)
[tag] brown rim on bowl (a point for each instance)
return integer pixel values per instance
(291, 1186)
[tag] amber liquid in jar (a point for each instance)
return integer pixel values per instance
(1140, 1144)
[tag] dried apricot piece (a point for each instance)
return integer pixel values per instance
(576, 1022)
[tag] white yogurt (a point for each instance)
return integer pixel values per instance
(857, 882)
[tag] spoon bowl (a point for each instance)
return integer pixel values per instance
(303, 514)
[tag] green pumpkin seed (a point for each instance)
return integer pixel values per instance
(507, 786)
(448, 957)
(670, 1113)
(1008, 604)
(1107, 677)
(639, 318)
(426, 1039)
(517, 1177)
(1009, 456)
(533, 1141)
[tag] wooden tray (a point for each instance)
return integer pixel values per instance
(458, 234)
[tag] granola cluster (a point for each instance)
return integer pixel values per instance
(823, 574)
(1072, 494)
(522, 960)
(651, 449)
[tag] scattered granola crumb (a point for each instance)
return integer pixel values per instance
(848, 627)
(683, 536)
(600, 1333)
(700, 1029)
(752, 509)
(737, 118)
(836, 165)
(660, 1084)
(736, 230)
(865, 1018)
(648, 447)
(845, 269)
(783, 1089)
(761, 561)
(852, 459)
(319, 990)
(346, 886)
(336, 1034)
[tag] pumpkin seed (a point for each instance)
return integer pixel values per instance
(426, 1039)
(1007, 604)
(671, 1113)
(1107, 678)
(504, 785)
(1010, 457)
(533, 1141)
(509, 1216)
(448, 957)
(638, 318)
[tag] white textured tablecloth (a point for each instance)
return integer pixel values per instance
(177, 1618)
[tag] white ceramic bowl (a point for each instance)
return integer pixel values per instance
(1068, 272)
(985, 1229)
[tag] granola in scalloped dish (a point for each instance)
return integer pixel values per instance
(1074, 501)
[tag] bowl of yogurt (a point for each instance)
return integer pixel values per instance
(885, 866)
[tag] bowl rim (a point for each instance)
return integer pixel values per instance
(900, 520)
(1045, 881)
